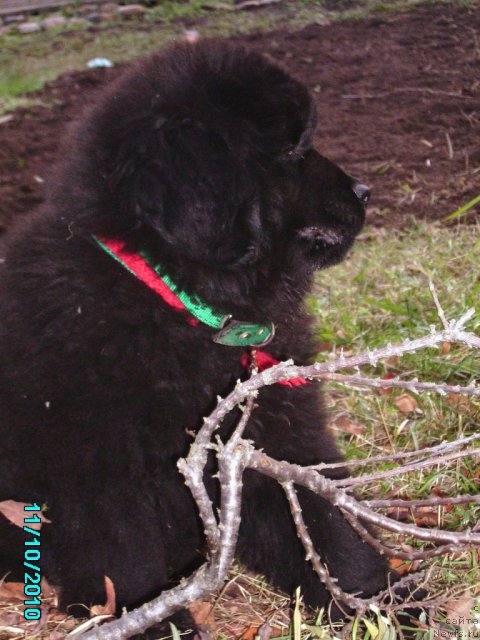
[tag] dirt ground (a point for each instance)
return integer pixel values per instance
(398, 99)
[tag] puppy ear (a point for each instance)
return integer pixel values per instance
(183, 182)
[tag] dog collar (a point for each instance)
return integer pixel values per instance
(230, 332)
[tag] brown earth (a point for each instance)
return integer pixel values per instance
(398, 98)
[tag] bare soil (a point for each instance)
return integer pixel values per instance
(398, 99)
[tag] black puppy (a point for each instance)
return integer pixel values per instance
(190, 199)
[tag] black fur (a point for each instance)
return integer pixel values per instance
(202, 154)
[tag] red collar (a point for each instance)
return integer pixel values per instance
(262, 360)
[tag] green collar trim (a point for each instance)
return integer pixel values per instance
(197, 307)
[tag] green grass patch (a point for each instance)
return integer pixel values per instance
(14, 86)
(464, 208)
(380, 293)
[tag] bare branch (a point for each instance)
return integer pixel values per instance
(413, 466)
(337, 593)
(440, 311)
(385, 94)
(247, 412)
(365, 534)
(232, 460)
(390, 552)
(411, 385)
(140, 619)
(436, 501)
(327, 488)
(194, 481)
(442, 448)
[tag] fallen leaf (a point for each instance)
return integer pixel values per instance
(399, 513)
(440, 493)
(413, 565)
(406, 403)
(202, 613)
(260, 632)
(445, 348)
(345, 425)
(15, 512)
(460, 607)
(250, 633)
(459, 401)
(425, 516)
(12, 591)
(325, 346)
(110, 605)
(436, 492)
(57, 616)
(11, 619)
(400, 566)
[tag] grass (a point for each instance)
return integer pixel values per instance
(380, 295)
(463, 209)
(381, 290)
(14, 85)
(28, 61)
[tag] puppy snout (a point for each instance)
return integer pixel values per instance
(362, 192)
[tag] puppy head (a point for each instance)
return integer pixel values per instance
(208, 148)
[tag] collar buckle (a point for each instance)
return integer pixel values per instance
(244, 334)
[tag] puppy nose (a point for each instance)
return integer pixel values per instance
(362, 192)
